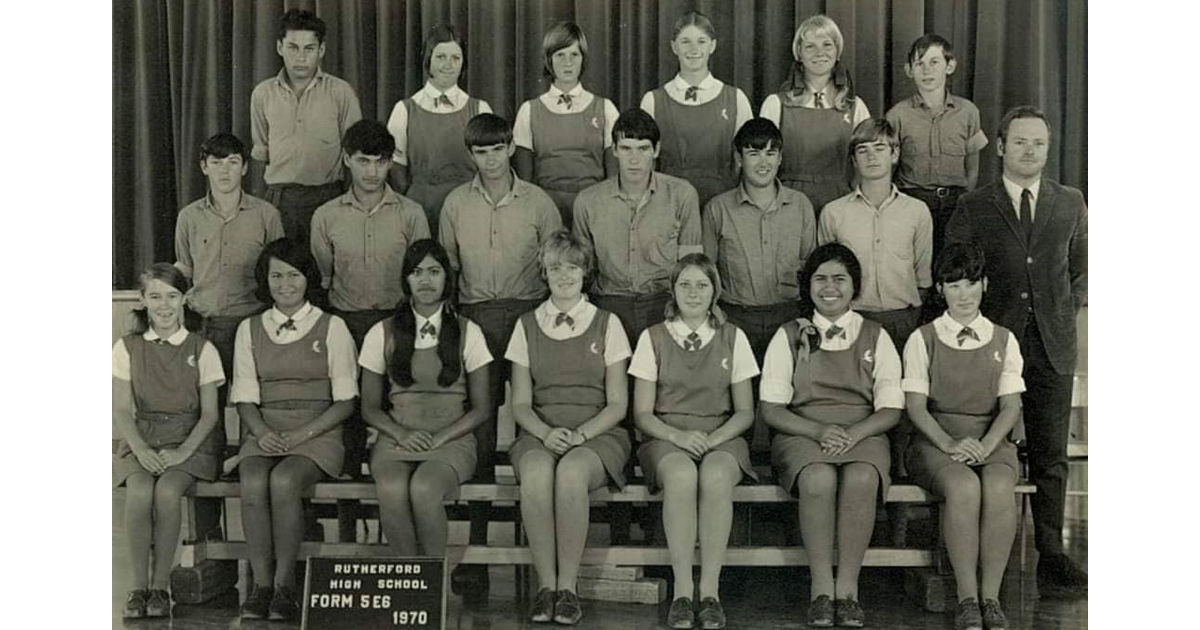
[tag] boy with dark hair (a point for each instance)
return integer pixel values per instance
(359, 240)
(639, 223)
(297, 119)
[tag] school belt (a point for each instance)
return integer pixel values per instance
(940, 191)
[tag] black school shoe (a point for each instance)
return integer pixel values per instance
(993, 616)
(1058, 577)
(135, 604)
(257, 604)
(567, 610)
(681, 616)
(711, 615)
(284, 605)
(968, 615)
(848, 613)
(820, 612)
(542, 610)
(158, 604)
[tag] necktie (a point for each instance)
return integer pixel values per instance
(817, 97)
(692, 343)
(565, 99)
(429, 330)
(964, 333)
(290, 324)
(835, 331)
(563, 317)
(160, 341)
(690, 94)
(1027, 213)
(443, 100)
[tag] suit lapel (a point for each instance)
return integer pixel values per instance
(1003, 205)
(1045, 208)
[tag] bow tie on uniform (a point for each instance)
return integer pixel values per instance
(290, 324)
(564, 318)
(690, 94)
(964, 333)
(429, 330)
(692, 342)
(443, 100)
(835, 331)
(160, 341)
(565, 99)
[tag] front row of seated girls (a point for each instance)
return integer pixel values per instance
(831, 389)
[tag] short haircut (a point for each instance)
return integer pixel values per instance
(370, 137)
(716, 316)
(758, 133)
(635, 124)
(697, 19)
(301, 20)
(960, 261)
(173, 277)
(927, 41)
(222, 145)
(295, 253)
(1020, 111)
(562, 35)
(441, 34)
(485, 130)
(565, 246)
(828, 252)
(873, 130)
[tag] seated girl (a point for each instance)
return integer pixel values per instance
(831, 390)
(570, 394)
(693, 401)
(962, 380)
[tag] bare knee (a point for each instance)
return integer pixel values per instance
(860, 476)
(391, 488)
(255, 482)
(677, 473)
(536, 470)
(998, 483)
(286, 485)
(816, 481)
(959, 485)
(427, 490)
(572, 474)
(719, 472)
(139, 490)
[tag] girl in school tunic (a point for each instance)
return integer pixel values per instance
(165, 382)
(697, 114)
(962, 378)
(831, 390)
(816, 110)
(570, 394)
(431, 359)
(564, 136)
(431, 158)
(693, 401)
(294, 383)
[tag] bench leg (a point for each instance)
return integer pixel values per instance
(471, 580)
(347, 512)
(1022, 534)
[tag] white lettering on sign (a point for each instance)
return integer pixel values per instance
(346, 584)
(404, 585)
(410, 617)
(376, 569)
(374, 601)
(325, 600)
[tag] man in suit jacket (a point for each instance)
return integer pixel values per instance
(1033, 232)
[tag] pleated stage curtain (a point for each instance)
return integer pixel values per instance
(184, 69)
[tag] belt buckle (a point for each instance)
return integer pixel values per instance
(942, 192)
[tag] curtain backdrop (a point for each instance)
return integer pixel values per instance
(184, 69)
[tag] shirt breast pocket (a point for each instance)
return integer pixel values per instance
(954, 142)
(666, 243)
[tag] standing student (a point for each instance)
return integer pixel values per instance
(759, 234)
(164, 402)
(831, 389)
(297, 119)
(428, 361)
(1033, 232)
(638, 223)
(428, 127)
(940, 135)
(564, 137)
(294, 382)
(962, 380)
(693, 401)
(359, 240)
(697, 113)
(570, 393)
(816, 109)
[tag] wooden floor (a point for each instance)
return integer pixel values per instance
(757, 598)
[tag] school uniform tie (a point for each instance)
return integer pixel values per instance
(429, 330)
(564, 318)
(160, 341)
(692, 342)
(964, 333)
(443, 100)
(690, 94)
(565, 99)
(817, 98)
(1027, 213)
(290, 324)
(835, 331)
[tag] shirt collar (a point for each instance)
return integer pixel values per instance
(981, 325)
(574, 92)
(455, 93)
(822, 323)
(950, 100)
(389, 197)
(518, 187)
(435, 319)
(211, 203)
(681, 330)
(550, 310)
(283, 80)
(707, 84)
(176, 338)
(651, 188)
(743, 197)
(278, 317)
(1014, 190)
(858, 194)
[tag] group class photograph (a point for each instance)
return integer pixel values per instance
(638, 314)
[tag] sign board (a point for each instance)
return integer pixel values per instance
(374, 594)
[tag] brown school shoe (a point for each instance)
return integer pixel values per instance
(257, 603)
(284, 605)
(820, 612)
(566, 610)
(993, 617)
(542, 610)
(968, 617)
(711, 615)
(158, 604)
(848, 613)
(135, 604)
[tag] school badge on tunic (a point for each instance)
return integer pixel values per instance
(867, 358)
(594, 348)
(724, 113)
(316, 347)
(595, 122)
(846, 117)
(191, 360)
(996, 357)
(725, 363)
